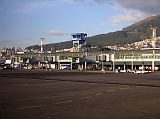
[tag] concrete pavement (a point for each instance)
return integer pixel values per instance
(77, 95)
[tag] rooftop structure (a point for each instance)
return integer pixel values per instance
(79, 40)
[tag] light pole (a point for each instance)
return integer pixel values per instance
(42, 39)
(153, 31)
(56, 64)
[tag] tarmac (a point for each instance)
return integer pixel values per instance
(40, 94)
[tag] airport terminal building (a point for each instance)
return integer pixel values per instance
(79, 58)
(148, 59)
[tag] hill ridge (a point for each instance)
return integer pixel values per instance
(133, 33)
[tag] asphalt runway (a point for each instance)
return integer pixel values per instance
(41, 94)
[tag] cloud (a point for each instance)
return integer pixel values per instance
(144, 6)
(90, 1)
(129, 17)
(56, 33)
(74, 1)
(135, 10)
(29, 7)
(102, 1)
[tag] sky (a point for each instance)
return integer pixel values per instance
(24, 22)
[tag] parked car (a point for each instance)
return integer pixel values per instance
(6, 66)
(141, 72)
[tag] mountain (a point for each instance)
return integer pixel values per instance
(134, 33)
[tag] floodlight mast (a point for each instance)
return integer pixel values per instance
(42, 44)
(153, 31)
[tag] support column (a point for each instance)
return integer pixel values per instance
(71, 65)
(82, 66)
(113, 66)
(16, 59)
(124, 65)
(56, 62)
(103, 70)
(113, 60)
(153, 66)
(85, 65)
(142, 66)
(132, 62)
(39, 65)
(102, 65)
(153, 61)
(132, 66)
(19, 59)
(58, 65)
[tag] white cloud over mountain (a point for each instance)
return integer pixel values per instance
(136, 10)
(145, 6)
(56, 33)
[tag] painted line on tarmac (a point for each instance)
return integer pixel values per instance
(30, 107)
(63, 102)
(87, 97)
(108, 91)
(99, 93)
(113, 90)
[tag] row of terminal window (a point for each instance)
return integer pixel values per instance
(143, 57)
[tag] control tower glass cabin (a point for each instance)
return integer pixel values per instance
(79, 40)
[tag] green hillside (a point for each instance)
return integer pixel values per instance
(136, 32)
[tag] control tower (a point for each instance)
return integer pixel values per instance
(79, 40)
